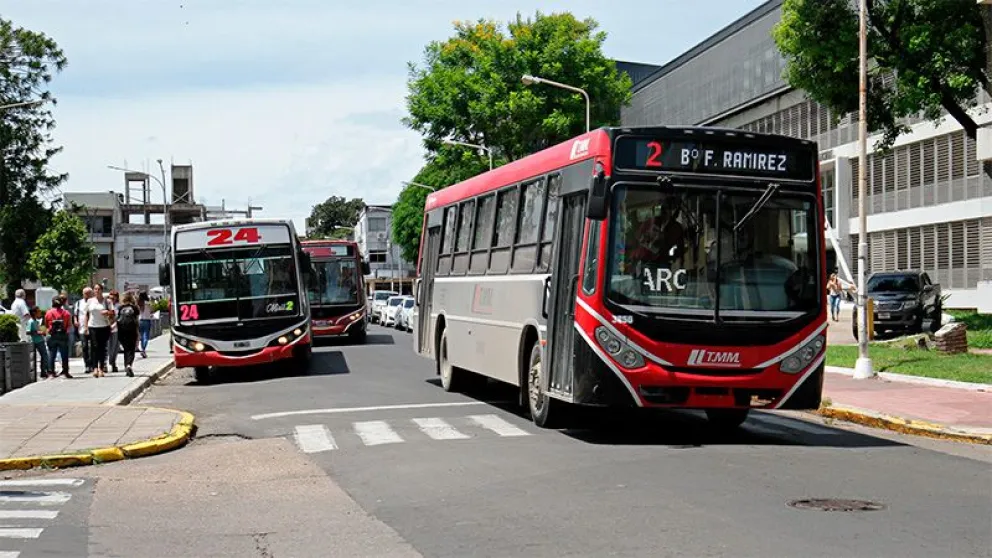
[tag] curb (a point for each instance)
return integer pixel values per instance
(178, 436)
(903, 426)
(130, 394)
(918, 380)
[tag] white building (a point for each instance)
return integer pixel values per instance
(929, 201)
(373, 233)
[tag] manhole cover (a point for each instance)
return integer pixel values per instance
(836, 504)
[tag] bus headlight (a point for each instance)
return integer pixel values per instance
(804, 356)
(297, 332)
(199, 347)
(623, 353)
(283, 340)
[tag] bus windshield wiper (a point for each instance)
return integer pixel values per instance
(758, 205)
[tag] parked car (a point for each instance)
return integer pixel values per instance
(387, 315)
(377, 301)
(905, 301)
(404, 319)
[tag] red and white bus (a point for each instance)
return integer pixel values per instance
(238, 294)
(678, 267)
(336, 289)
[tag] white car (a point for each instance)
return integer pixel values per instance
(388, 312)
(404, 318)
(377, 302)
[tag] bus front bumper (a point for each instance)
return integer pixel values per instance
(187, 359)
(327, 328)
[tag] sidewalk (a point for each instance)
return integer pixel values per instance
(911, 405)
(81, 421)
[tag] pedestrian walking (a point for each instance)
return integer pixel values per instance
(79, 321)
(58, 320)
(834, 291)
(113, 345)
(145, 322)
(127, 319)
(21, 309)
(97, 322)
(36, 331)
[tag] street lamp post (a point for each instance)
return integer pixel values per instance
(22, 104)
(481, 148)
(862, 367)
(165, 201)
(431, 188)
(531, 80)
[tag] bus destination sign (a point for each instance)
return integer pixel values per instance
(330, 250)
(713, 156)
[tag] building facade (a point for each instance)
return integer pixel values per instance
(386, 264)
(101, 213)
(929, 201)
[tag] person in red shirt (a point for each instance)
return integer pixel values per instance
(58, 320)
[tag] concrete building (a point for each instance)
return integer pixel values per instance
(101, 213)
(929, 203)
(387, 268)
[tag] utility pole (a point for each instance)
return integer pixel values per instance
(862, 367)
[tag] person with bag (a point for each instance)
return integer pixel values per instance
(128, 317)
(97, 322)
(36, 331)
(58, 320)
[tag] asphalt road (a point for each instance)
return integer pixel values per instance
(367, 456)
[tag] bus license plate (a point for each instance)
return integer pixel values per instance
(884, 316)
(241, 344)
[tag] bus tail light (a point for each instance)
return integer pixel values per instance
(623, 353)
(804, 356)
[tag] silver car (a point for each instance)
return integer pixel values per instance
(376, 303)
(404, 318)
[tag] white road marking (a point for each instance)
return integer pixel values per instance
(40, 482)
(360, 409)
(18, 533)
(497, 425)
(313, 438)
(9, 553)
(35, 497)
(795, 424)
(376, 432)
(439, 429)
(28, 514)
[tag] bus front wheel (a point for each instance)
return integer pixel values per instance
(202, 374)
(726, 419)
(545, 411)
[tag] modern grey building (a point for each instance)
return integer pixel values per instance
(388, 269)
(929, 203)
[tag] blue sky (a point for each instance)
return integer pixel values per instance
(283, 103)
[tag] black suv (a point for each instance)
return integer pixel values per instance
(904, 301)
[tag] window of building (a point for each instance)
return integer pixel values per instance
(103, 258)
(827, 183)
(99, 225)
(465, 218)
(377, 224)
(377, 257)
(144, 256)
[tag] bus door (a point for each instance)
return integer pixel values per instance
(425, 293)
(564, 282)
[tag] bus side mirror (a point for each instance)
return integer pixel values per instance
(365, 268)
(598, 198)
(163, 274)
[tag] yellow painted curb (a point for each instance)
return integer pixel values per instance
(903, 426)
(179, 435)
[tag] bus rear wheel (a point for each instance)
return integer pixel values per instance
(202, 375)
(452, 377)
(726, 419)
(545, 411)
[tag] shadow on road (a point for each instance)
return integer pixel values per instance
(345, 341)
(322, 363)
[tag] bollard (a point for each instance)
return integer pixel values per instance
(870, 312)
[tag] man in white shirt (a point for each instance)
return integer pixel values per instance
(79, 317)
(21, 309)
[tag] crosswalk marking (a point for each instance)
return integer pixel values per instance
(40, 482)
(439, 429)
(794, 424)
(34, 497)
(376, 432)
(498, 425)
(28, 514)
(20, 533)
(9, 553)
(313, 438)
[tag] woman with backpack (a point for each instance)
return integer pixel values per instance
(36, 331)
(59, 323)
(127, 329)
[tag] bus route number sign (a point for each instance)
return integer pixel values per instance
(714, 156)
(224, 237)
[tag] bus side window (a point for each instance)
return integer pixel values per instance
(529, 226)
(506, 220)
(483, 234)
(466, 215)
(550, 221)
(591, 259)
(447, 241)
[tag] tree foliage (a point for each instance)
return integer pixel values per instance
(448, 166)
(334, 217)
(469, 87)
(934, 49)
(28, 62)
(62, 257)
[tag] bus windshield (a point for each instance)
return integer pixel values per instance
(334, 282)
(236, 284)
(664, 250)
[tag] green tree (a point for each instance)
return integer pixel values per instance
(62, 257)
(927, 56)
(449, 166)
(334, 217)
(28, 62)
(469, 87)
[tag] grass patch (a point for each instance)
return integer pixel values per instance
(931, 364)
(979, 327)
